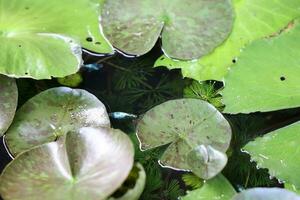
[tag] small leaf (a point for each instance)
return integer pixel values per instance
(136, 191)
(87, 163)
(266, 194)
(265, 77)
(190, 29)
(216, 188)
(54, 113)
(254, 19)
(278, 151)
(189, 126)
(8, 102)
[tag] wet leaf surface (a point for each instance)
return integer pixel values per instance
(87, 163)
(254, 19)
(189, 29)
(266, 75)
(53, 113)
(278, 151)
(8, 102)
(41, 39)
(196, 131)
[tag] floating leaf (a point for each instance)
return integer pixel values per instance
(266, 75)
(278, 151)
(254, 19)
(190, 29)
(266, 194)
(198, 133)
(41, 39)
(8, 102)
(136, 191)
(51, 114)
(216, 188)
(88, 163)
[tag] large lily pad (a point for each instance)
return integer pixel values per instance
(266, 75)
(90, 163)
(51, 114)
(266, 194)
(279, 151)
(8, 102)
(254, 19)
(217, 188)
(197, 133)
(43, 38)
(190, 29)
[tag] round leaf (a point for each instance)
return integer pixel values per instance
(187, 124)
(8, 102)
(266, 75)
(254, 19)
(90, 163)
(278, 151)
(216, 188)
(266, 194)
(51, 114)
(41, 39)
(190, 29)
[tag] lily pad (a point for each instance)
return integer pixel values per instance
(266, 194)
(189, 29)
(88, 163)
(278, 151)
(137, 190)
(8, 102)
(51, 114)
(254, 19)
(197, 134)
(216, 188)
(266, 75)
(41, 39)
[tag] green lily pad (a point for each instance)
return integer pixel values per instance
(254, 19)
(54, 113)
(278, 151)
(189, 29)
(216, 188)
(8, 102)
(266, 194)
(137, 190)
(197, 132)
(266, 75)
(41, 39)
(88, 163)
(292, 188)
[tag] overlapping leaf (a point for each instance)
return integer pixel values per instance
(51, 114)
(266, 75)
(41, 39)
(197, 133)
(279, 152)
(88, 163)
(254, 19)
(8, 102)
(216, 188)
(190, 29)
